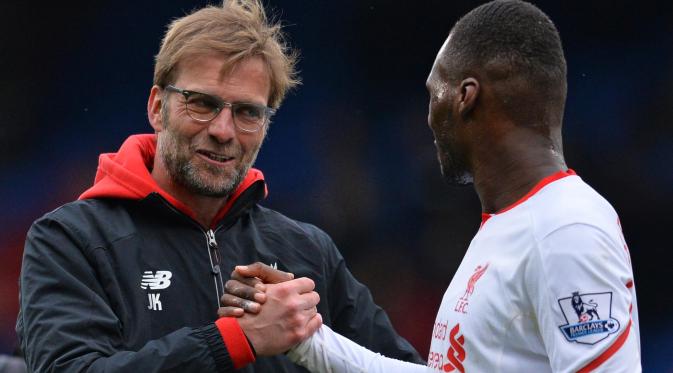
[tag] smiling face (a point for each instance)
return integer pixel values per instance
(445, 125)
(209, 159)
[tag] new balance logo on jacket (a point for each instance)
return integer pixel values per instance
(158, 281)
(155, 281)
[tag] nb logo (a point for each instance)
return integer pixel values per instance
(158, 281)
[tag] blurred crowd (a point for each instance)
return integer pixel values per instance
(350, 150)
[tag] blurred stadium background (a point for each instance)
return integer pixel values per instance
(350, 150)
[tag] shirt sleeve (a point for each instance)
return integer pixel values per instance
(581, 286)
(327, 351)
(67, 324)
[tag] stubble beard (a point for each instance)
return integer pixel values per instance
(201, 179)
(454, 168)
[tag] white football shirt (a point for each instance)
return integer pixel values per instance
(545, 286)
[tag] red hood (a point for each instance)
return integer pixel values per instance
(126, 175)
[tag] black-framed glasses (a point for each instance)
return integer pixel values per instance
(202, 107)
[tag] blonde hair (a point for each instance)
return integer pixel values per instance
(237, 30)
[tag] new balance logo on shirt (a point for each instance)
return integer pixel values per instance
(155, 281)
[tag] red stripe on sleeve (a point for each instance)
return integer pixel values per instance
(236, 342)
(619, 342)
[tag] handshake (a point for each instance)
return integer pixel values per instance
(275, 310)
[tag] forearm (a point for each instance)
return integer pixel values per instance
(327, 351)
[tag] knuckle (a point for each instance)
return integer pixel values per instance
(230, 286)
(247, 305)
(248, 292)
(226, 311)
(283, 289)
(301, 334)
(294, 305)
(308, 282)
(240, 290)
(297, 321)
(235, 287)
(226, 300)
(237, 302)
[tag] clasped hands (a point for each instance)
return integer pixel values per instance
(275, 310)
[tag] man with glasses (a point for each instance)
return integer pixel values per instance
(131, 276)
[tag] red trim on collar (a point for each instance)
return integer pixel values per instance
(254, 175)
(126, 175)
(541, 184)
(484, 219)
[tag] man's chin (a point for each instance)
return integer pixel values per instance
(454, 177)
(213, 185)
(212, 191)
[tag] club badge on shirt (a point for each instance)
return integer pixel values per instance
(588, 317)
(463, 301)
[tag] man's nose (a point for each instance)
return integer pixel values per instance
(222, 127)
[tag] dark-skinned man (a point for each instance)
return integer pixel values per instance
(546, 284)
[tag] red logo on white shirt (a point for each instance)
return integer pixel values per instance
(461, 305)
(456, 353)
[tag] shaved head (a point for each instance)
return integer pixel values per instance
(499, 78)
(514, 45)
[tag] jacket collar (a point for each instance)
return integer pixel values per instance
(126, 175)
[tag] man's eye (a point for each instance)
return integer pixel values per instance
(201, 103)
(249, 111)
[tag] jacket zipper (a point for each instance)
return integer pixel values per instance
(213, 251)
(214, 256)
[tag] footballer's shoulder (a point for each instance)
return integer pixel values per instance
(569, 201)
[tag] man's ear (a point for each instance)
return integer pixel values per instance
(467, 99)
(154, 104)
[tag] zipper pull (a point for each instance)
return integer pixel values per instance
(211, 239)
(212, 244)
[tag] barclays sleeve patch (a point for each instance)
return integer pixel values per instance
(588, 317)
